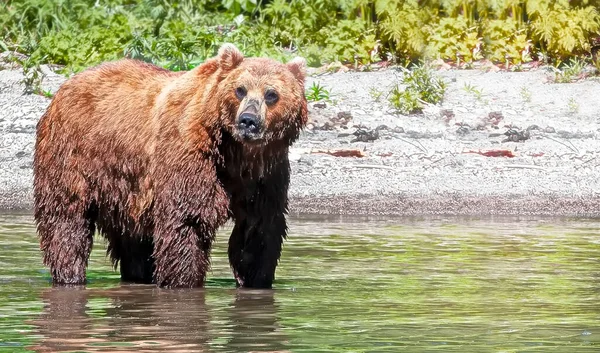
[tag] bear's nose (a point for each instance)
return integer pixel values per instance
(248, 122)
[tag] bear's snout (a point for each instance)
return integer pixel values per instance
(249, 122)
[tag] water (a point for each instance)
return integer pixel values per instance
(347, 285)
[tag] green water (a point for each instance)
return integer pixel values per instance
(344, 285)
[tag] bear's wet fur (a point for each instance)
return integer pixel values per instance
(156, 161)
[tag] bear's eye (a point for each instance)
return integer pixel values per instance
(271, 97)
(240, 93)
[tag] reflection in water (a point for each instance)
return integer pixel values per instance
(148, 319)
(253, 316)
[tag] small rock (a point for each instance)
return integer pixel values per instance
(364, 135)
(304, 159)
(327, 126)
(294, 156)
(533, 127)
(320, 105)
(495, 118)
(480, 126)
(516, 136)
(381, 127)
(20, 154)
(463, 130)
(310, 127)
(344, 115)
(550, 130)
(398, 130)
(447, 113)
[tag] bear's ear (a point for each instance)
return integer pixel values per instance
(298, 67)
(229, 56)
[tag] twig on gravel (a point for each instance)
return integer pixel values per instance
(523, 166)
(583, 164)
(374, 166)
(571, 147)
(419, 146)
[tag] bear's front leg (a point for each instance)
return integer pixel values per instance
(260, 229)
(189, 207)
(254, 249)
(181, 254)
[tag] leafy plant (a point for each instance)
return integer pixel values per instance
(454, 39)
(560, 29)
(375, 94)
(422, 87)
(316, 93)
(573, 106)
(402, 27)
(525, 94)
(569, 71)
(474, 90)
(506, 42)
(405, 101)
(33, 75)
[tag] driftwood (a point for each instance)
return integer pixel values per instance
(494, 153)
(342, 152)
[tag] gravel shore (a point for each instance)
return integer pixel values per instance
(437, 162)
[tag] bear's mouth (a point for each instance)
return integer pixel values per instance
(251, 138)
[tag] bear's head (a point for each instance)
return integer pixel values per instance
(262, 100)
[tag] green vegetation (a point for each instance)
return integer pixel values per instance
(474, 90)
(569, 72)
(573, 106)
(316, 93)
(525, 94)
(180, 34)
(421, 87)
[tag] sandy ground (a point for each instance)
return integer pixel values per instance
(422, 164)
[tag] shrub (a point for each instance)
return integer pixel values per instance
(422, 87)
(181, 34)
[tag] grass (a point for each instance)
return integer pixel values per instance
(573, 106)
(375, 93)
(525, 94)
(474, 90)
(316, 93)
(569, 71)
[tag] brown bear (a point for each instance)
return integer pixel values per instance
(157, 161)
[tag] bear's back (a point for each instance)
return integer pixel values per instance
(110, 103)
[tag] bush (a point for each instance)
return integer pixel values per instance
(422, 87)
(181, 34)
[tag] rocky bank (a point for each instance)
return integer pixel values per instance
(501, 143)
